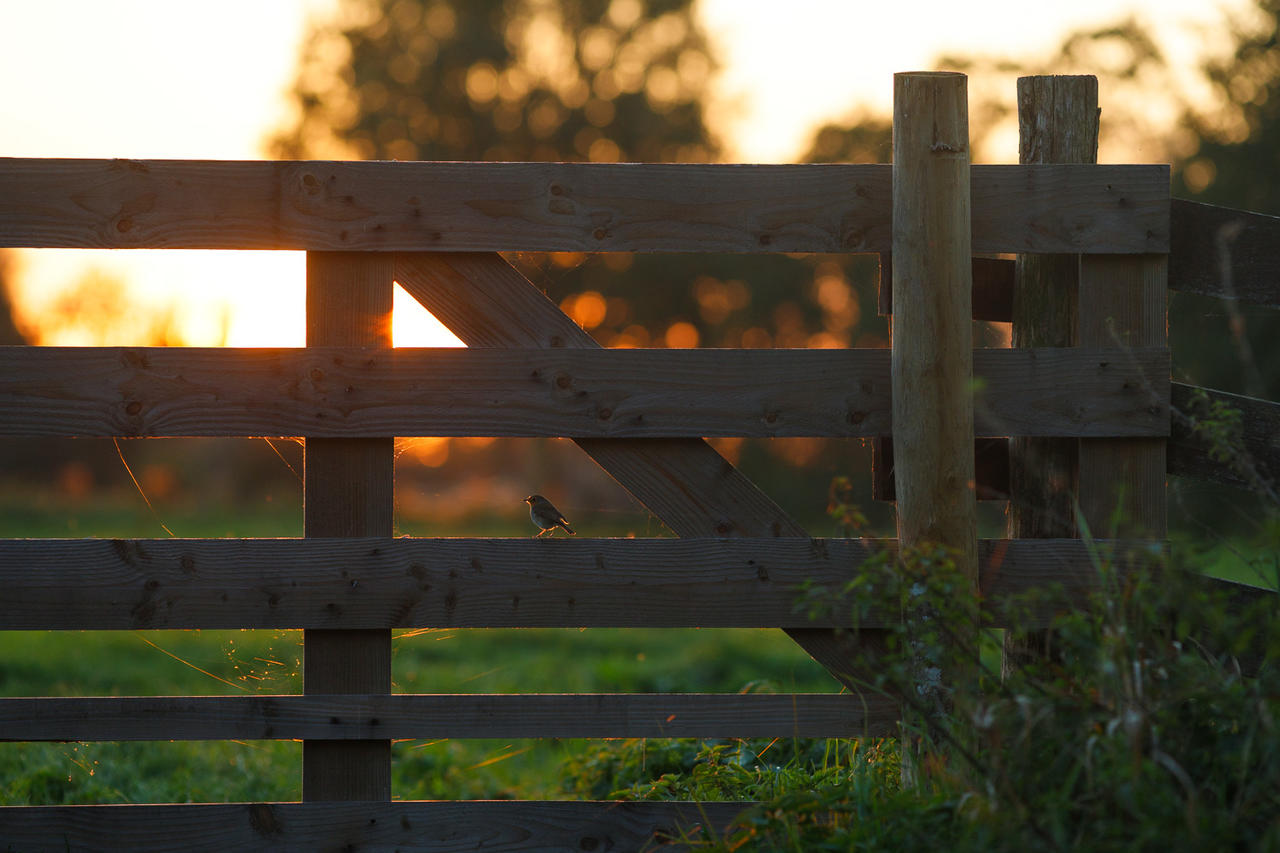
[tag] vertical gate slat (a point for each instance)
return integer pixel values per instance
(347, 492)
(1123, 301)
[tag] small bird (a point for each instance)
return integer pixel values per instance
(543, 513)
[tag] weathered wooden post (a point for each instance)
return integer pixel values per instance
(932, 334)
(348, 492)
(1057, 123)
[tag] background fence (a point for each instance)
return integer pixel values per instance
(436, 228)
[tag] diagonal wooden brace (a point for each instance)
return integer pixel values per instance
(684, 482)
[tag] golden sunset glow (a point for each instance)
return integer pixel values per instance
(413, 326)
(144, 93)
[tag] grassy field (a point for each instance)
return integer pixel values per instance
(222, 662)
(452, 661)
(229, 662)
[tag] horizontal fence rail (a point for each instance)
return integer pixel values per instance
(405, 716)
(1215, 251)
(1252, 463)
(581, 393)
(1218, 251)
(72, 584)
(591, 207)
(407, 826)
(1254, 454)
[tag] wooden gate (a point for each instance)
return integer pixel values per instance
(529, 370)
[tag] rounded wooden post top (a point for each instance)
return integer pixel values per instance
(928, 74)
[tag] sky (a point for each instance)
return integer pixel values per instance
(178, 79)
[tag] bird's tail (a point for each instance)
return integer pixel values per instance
(568, 529)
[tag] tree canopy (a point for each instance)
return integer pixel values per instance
(1236, 157)
(601, 80)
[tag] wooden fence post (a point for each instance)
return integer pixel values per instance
(1057, 123)
(932, 334)
(348, 492)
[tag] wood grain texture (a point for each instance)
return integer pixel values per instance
(1218, 251)
(932, 341)
(1058, 119)
(1255, 459)
(348, 486)
(992, 302)
(403, 716)
(401, 583)
(581, 393)
(1122, 480)
(990, 463)
(586, 207)
(408, 827)
(99, 584)
(1057, 123)
(683, 481)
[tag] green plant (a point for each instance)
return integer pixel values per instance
(1139, 731)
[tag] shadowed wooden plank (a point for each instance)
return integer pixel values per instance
(386, 583)
(1254, 462)
(582, 393)
(118, 584)
(421, 827)
(347, 491)
(694, 490)
(1213, 251)
(401, 716)
(1217, 251)
(1122, 480)
(591, 207)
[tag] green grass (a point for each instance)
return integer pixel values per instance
(1251, 564)
(857, 782)
(90, 663)
(221, 662)
(41, 514)
(129, 663)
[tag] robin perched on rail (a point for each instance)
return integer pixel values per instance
(543, 513)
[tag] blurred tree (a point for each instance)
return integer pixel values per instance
(503, 80)
(95, 311)
(865, 138)
(598, 80)
(564, 80)
(10, 335)
(1140, 94)
(1224, 153)
(1236, 157)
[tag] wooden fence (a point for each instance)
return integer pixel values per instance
(436, 228)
